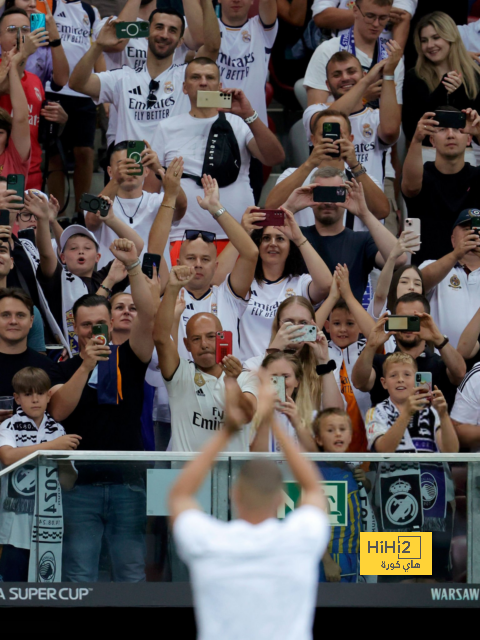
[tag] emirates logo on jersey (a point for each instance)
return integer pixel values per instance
(246, 37)
(168, 87)
(367, 131)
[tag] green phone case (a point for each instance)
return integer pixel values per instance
(134, 149)
(132, 29)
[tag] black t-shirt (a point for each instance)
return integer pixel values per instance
(105, 427)
(428, 361)
(52, 287)
(438, 204)
(10, 364)
(356, 249)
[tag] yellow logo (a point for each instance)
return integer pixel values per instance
(398, 554)
(455, 282)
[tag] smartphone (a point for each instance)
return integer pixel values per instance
(19, 32)
(413, 224)
(149, 260)
(424, 379)
(88, 202)
(273, 218)
(309, 334)
(475, 220)
(330, 194)
(451, 119)
(223, 346)
(132, 29)
(402, 323)
(279, 384)
(332, 130)
(214, 99)
(16, 181)
(4, 217)
(27, 234)
(47, 130)
(37, 21)
(134, 149)
(101, 330)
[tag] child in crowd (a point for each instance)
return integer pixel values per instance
(344, 318)
(333, 434)
(30, 429)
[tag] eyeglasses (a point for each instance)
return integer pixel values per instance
(13, 29)
(25, 216)
(371, 17)
(152, 98)
(207, 236)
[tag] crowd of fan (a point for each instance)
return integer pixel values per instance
(98, 355)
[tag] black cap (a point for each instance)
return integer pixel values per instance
(466, 216)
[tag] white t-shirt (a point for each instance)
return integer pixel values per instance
(222, 302)
(265, 298)
(254, 581)
(454, 301)
(369, 149)
(316, 74)
(197, 403)
(320, 5)
(470, 34)
(74, 26)
(243, 60)
(142, 211)
(466, 408)
(128, 90)
(187, 136)
(16, 528)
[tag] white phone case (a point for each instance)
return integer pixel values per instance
(413, 224)
(279, 384)
(214, 99)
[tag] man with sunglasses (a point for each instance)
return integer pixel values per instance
(141, 98)
(365, 40)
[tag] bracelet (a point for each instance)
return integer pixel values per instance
(132, 266)
(357, 165)
(109, 291)
(168, 206)
(302, 243)
(323, 369)
(360, 172)
(389, 78)
(251, 118)
(55, 43)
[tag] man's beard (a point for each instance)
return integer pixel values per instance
(409, 342)
(327, 217)
(161, 56)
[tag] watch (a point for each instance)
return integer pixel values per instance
(218, 213)
(444, 343)
(359, 172)
(323, 369)
(252, 118)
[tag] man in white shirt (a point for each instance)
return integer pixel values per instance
(365, 41)
(453, 282)
(320, 157)
(187, 135)
(145, 97)
(465, 413)
(196, 389)
(255, 577)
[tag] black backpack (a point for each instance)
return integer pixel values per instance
(222, 158)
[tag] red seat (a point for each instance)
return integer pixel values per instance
(268, 93)
(459, 475)
(254, 9)
(459, 559)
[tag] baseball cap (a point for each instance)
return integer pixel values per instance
(73, 230)
(465, 216)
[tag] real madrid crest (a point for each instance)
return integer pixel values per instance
(199, 380)
(246, 37)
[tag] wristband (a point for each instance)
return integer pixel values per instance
(109, 291)
(444, 343)
(168, 206)
(323, 369)
(389, 78)
(302, 243)
(218, 213)
(55, 43)
(251, 118)
(132, 266)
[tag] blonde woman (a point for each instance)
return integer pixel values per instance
(445, 74)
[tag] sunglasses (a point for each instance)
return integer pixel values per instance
(207, 236)
(152, 98)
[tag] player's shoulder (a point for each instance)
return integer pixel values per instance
(328, 47)
(471, 381)
(308, 521)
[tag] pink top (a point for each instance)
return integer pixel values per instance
(11, 162)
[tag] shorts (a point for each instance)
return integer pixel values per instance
(348, 564)
(80, 128)
(176, 244)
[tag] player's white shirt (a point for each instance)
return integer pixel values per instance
(73, 24)
(253, 581)
(16, 528)
(243, 60)
(142, 211)
(349, 355)
(316, 74)
(265, 298)
(128, 90)
(369, 149)
(135, 56)
(454, 301)
(466, 408)
(470, 34)
(320, 5)
(187, 136)
(197, 403)
(223, 303)
(306, 217)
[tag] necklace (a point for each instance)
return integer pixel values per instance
(130, 218)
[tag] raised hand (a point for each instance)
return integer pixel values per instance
(472, 125)
(428, 329)
(108, 36)
(10, 200)
(405, 244)
(235, 416)
(286, 333)
(439, 403)
(426, 127)
(67, 442)
(37, 205)
(291, 228)
(53, 208)
(289, 409)
(417, 401)
(452, 81)
(319, 347)
(172, 177)
(117, 272)
(180, 305)
(95, 352)
(300, 198)
(250, 217)
(125, 251)
(347, 152)
(35, 39)
(355, 202)
(54, 112)
(470, 242)
(232, 367)
(377, 336)
(211, 200)
(150, 158)
(342, 278)
(395, 53)
(180, 276)
(240, 103)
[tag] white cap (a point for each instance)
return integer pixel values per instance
(73, 230)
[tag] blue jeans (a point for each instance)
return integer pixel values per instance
(116, 511)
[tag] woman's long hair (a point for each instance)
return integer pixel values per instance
(392, 292)
(458, 57)
(293, 264)
(306, 356)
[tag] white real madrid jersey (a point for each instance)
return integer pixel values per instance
(128, 91)
(265, 298)
(197, 404)
(243, 60)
